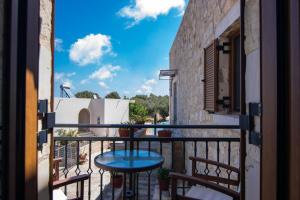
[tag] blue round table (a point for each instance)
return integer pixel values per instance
(128, 161)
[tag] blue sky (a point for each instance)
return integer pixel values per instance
(115, 45)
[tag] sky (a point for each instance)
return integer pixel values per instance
(114, 45)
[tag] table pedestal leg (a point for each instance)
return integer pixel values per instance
(124, 186)
(129, 193)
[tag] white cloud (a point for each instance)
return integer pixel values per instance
(61, 75)
(139, 91)
(151, 82)
(147, 87)
(90, 49)
(58, 44)
(58, 76)
(103, 85)
(141, 9)
(84, 81)
(62, 78)
(105, 72)
(71, 74)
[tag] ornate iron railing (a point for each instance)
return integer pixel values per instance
(176, 150)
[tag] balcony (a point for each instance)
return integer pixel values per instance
(175, 150)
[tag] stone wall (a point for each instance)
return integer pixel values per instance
(196, 32)
(203, 22)
(45, 87)
(252, 49)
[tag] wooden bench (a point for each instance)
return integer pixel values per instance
(205, 186)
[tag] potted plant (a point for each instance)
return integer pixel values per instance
(163, 179)
(124, 132)
(82, 158)
(165, 133)
(116, 180)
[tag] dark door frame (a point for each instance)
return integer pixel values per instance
(269, 99)
(294, 100)
(280, 87)
(21, 61)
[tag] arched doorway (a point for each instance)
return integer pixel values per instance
(84, 118)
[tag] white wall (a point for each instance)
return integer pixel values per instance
(97, 110)
(67, 109)
(116, 112)
(110, 111)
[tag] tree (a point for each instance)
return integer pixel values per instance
(138, 113)
(86, 94)
(113, 95)
(154, 104)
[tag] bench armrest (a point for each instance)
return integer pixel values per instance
(67, 181)
(199, 181)
(212, 162)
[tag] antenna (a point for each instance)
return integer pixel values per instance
(63, 90)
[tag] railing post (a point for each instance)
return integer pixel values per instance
(131, 149)
(155, 122)
(131, 139)
(242, 97)
(243, 162)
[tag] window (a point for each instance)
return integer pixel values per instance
(235, 73)
(214, 101)
(211, 59)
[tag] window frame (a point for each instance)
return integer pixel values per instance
(231, 70)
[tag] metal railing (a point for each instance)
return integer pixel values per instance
(176, 150)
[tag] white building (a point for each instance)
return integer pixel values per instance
(92, 111)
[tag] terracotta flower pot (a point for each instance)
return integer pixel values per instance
(164, 184)
(124, 132)
(117, 181)
(82, 158)
(164, 133)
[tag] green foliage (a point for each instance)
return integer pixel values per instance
(138, 113)
(113, 95)
(143, 97)
(86, 94)
(154, 104)
(67, 132)
(163, 173)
